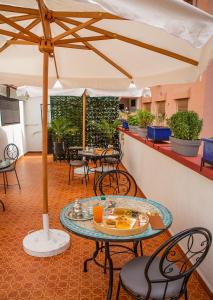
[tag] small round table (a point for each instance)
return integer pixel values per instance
(86, 229)
(4, 164)
(94, 154)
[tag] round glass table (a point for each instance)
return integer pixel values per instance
(86, 228)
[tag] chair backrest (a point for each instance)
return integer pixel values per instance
(11, 152)
(115, 182)
(176, 265)
(72, 154)
(110, 155)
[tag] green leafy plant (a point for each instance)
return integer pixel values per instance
(108, 129)
(145, 118)
(160, 119)
(60, 128)
(133, 120)
(185, 125)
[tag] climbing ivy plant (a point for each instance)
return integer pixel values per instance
(97, 109)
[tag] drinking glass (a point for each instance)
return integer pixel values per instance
(98, 211)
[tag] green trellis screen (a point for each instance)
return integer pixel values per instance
(97, 108)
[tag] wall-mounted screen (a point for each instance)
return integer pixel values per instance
(9, 110)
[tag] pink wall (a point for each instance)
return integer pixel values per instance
(200, 93)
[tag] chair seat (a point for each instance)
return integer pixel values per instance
(133, 278)
(76, 163)
(9, 169)
(102, 169)
(111, 160)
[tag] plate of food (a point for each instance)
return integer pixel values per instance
(123, 222)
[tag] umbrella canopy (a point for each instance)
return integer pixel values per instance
(104, 44)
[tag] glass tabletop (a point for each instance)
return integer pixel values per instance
(97, 152)
(5, 163)
(86, 228)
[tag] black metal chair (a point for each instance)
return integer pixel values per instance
(75, 161)
(108, 161)
(11, 152)
(165, 274)
(115, 182)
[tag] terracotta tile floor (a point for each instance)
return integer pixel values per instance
(59, 277)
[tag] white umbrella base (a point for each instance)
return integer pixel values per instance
(37, 244)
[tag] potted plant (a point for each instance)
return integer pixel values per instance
(108, 129)
(133, 122)
(145, 118)
(207, 152)
(186, 127)
(159, 132)
(60, 128)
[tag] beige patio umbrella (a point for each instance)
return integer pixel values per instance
(97, 44)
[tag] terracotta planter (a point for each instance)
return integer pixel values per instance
(185, 147)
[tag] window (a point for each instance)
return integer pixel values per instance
(182, 104)
(9, 110)
(161, 110)
(121, 106)
(133, 102)
(147, 106)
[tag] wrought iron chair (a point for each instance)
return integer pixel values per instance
(115, 182)
(108, 161)
(75, 161)
(11, 152)
(165, 274)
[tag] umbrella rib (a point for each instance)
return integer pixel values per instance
(17, 9)
(106, 58)
(81, 39)
(89, 14)
(15, 35)
(72, 30)
(43, 11)
(73, 46)
(21, 18)
(134, 42)
(30, 26)
(95, 50)
(19, 42)
(33, 36)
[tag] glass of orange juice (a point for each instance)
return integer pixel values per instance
(98, 211)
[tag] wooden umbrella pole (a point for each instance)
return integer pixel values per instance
(84, 119)
(44, 132)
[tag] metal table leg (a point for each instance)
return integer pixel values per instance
(93, 257)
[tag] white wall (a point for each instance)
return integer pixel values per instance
(187, 194)
(33, 125)
(14, 134)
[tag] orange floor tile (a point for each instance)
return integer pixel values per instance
(59, 277)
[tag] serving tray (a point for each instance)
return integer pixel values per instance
(137, 225)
